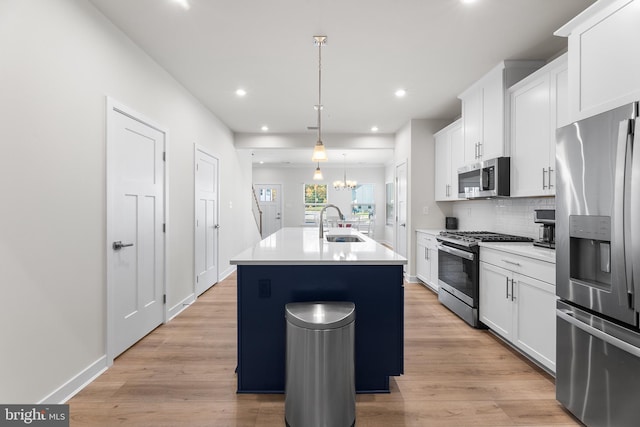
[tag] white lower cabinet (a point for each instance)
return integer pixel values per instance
(427, 259)
(517, 306)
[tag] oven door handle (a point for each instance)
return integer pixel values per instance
(457, 252)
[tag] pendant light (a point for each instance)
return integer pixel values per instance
(319, 152)
(345, 184)
(317, 176)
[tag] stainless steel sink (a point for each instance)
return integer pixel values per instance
(343, 238)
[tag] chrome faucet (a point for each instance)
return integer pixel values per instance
(322, 215)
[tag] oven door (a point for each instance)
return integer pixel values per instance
(458, 273)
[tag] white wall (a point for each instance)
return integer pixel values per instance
(294, 178)
(59, 61)
(415, 144)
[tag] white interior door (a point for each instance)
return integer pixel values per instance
(135, 222)
(401, 211)
(206, 221)
(270, 201)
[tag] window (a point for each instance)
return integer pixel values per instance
(389, 194)
(268, 195)
(315, 198)
(363, 201)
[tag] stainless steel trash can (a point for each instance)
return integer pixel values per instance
(320, 378)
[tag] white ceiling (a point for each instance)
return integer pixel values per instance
(432, 48)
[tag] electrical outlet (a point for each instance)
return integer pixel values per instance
(425, 210)
(468, 211)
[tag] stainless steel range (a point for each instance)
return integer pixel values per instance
(458, 269)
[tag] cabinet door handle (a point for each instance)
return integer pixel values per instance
(544, 185)
(511, 262)
(513, 297)
(550, 170)
(480, 144)
(426, 254)
(507, 286)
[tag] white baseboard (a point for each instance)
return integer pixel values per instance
(70, 388)
(181, 306)
(228, 272)
(411, 279)
(190, 299)
(74, 385)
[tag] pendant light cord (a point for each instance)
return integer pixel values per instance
(320, 42)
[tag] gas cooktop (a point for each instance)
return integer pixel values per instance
(472, 238)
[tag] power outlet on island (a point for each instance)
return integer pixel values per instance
(425, 210)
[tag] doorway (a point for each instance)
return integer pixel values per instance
(270, 201)
(206, 220)
(401, 209)
(135, 249)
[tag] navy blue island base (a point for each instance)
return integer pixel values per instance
(263, 292)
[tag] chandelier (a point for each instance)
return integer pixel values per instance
(319, 152)
(345, 184)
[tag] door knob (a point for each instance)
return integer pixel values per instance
(119, 245)
(216, 226)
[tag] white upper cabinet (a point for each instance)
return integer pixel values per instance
(604, 65)
(538, 106)
(449, 156)
(484, 108)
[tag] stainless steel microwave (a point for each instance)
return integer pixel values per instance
(486, 179)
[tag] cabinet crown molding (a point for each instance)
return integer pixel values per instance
(587, 15)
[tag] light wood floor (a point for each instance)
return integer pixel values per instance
(182, 374)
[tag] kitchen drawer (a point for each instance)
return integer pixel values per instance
(424, 239)
(531, 267)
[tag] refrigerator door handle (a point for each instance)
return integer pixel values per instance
(634, 212)
(567, 315)
(620, 247)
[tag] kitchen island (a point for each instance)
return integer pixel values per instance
(295, 265)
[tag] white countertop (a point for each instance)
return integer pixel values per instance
(433, 232)
(523, 249)
(302, 246)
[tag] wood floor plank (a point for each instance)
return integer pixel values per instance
(183, 374)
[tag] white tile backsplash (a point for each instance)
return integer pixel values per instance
(510, 216)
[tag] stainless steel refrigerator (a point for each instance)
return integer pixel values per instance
(598, 268)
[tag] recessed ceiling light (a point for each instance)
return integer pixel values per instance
(261, 162)
(241, 92)
(468, 1)
(400, 93)
(264, 128)
(374, 129)
(184, 3)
